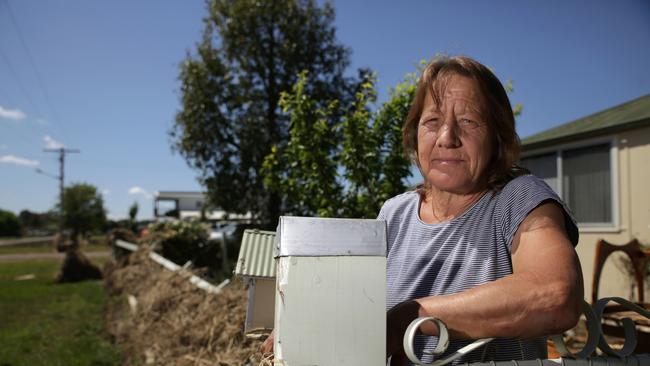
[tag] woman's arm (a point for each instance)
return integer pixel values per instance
(543, 295)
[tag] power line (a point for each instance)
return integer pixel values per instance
(13, 72)
(19, 133)
(37, 74)
(22, 88)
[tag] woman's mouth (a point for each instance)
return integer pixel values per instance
(447, 161)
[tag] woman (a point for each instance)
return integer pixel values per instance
(480, 245)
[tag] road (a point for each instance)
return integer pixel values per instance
(26, 241)
(26, 256)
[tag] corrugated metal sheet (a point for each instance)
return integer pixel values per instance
(256, 254)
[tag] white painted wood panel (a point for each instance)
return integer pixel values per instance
(330, 311)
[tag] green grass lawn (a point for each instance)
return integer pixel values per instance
(44, 323)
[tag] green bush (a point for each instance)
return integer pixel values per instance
(181, 242)
(9, 224)
(123, 234)
(39, 223)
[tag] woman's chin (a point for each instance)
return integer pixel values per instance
(451, 184)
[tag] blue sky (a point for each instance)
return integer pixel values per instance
(101, 76)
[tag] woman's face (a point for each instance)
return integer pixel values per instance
(454, 141)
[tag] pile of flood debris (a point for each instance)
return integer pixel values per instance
(158, 317)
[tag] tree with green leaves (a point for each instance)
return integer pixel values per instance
(83, 209)
(133, 211)
(345, 169)
(9, 224)
(133, 214)
(35, 223)
(230, 118)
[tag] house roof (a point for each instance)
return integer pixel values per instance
(163, 195)
(635, 113)
(256, 254)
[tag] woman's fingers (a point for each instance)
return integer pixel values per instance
(267, 345)
(397, 320)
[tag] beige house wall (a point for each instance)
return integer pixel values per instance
(633, 170)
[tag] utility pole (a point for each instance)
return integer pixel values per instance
(62, 151)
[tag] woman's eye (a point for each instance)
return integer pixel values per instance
(433, 122)
(468, 123)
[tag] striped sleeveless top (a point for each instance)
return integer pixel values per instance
(456, 255)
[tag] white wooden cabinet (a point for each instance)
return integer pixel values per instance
(330, 301)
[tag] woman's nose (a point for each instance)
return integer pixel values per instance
(448, 134)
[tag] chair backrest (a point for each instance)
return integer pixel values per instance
(633, 251)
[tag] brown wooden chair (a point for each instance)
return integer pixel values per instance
(611, 321)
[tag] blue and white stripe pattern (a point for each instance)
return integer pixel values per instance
(456, 255)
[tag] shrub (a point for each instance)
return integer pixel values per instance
(181, 241)
(39, 224)
(123, 234)
(9, 224)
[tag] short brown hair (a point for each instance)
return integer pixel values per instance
(501, 121)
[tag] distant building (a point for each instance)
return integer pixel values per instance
(189, 205)
(600, 166)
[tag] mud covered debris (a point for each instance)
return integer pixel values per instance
(159, 318)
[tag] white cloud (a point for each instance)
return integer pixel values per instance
(11, 159)
(15, 114)
(135, 190)
(105, 192)
(51, 143)
(42, 122)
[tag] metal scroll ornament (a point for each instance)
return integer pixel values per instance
(441, 347)
(595, 338)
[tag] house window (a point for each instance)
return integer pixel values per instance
(586, 180)
(545, 167)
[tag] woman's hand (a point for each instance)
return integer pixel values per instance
(397, 320)
(267, 346)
